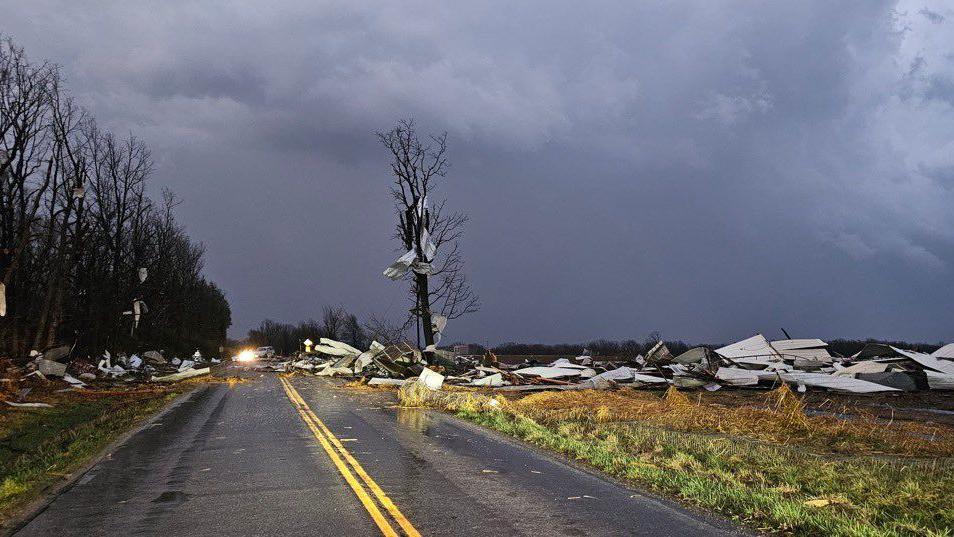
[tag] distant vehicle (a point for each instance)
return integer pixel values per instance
(265, 352)
(249, 355)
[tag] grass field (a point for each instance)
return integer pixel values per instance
(39, 447)
(768, 465)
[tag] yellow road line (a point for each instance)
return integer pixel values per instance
(359, 491)
(383, 498)
(375, 489)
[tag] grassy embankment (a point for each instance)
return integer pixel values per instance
(768, 465)
(39, 447)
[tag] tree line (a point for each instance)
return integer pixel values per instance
(599, 347)
(631, 347)
(336, 323)
(86, 256)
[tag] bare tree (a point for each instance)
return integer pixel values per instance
(26, 164)
(449, 293)
(333, 322)
(383, 331)
(353, 333)
(418, 167)
(76, 226)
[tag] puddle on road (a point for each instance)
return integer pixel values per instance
(414, 419)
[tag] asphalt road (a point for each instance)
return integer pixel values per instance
(242, 460)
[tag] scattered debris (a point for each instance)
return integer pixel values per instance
(946, 352)
(753, 362)
(58, 369)
(49, 368)
(431, 379)
(378, 381)
(57, 354)
(182, 375)
(73, 381)
(154, 357)
(28, 405)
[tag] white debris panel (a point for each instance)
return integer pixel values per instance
(944, 353)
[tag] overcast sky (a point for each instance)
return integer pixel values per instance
(705, 169)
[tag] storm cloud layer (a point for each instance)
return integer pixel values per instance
(704, 169)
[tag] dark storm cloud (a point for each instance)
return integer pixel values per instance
(704, 169)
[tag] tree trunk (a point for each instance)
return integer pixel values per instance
(40, 337)
(424, 312)
(56, 318)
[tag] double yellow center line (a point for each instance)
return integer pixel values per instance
(367, 491)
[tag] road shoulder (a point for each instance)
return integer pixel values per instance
(22, 514)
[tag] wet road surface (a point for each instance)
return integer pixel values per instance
(242, 460)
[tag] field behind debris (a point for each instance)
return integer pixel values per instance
(760, 459)
(39, 447)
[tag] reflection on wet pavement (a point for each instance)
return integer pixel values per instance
(414, 419)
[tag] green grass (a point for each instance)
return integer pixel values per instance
(39, 447)
(765, 486)
(762, 485)
(772, 469)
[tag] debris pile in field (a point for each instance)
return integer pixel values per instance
(56, 369)
(753, 362)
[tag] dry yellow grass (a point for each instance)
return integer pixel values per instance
(361, 385)
(415, 394)
(780, 419)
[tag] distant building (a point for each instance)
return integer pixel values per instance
(462, 350)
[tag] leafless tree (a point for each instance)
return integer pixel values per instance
(383, 331)
(26, 166)
(353, 332)
(333, 322)
(76, 226)
(418, 166)
(449, 293)
(64, 211)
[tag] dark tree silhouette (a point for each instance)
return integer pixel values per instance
(438, 284)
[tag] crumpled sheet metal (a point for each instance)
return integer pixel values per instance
(946, 352)
(824, 380)
(752, 362)
(556, 372)
(335, 348)
(399, 268)
(930, 362)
